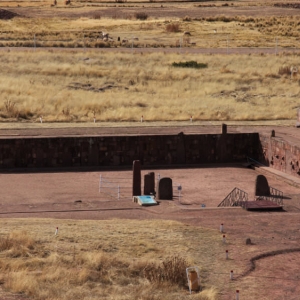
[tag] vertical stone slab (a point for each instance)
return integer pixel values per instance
(136, 180)
(298, 118)
(152, 182)
(149, 184)
(273, 133)
(224, 128)
(165, 189)
(262, 186)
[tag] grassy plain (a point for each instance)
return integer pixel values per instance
(65, 85)
(76, 86)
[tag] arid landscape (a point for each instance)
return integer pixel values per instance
(102, 67)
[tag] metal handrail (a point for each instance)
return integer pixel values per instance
(236, 197)
(275, 196)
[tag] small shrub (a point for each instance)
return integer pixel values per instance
(173, 27)
(189, 64)
(97, 16)
(11, 108)
(284, 71)
(141, 16)
(187, 19)
(172, 270)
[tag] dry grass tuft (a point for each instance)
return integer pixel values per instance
(173, 27)
(172, 270)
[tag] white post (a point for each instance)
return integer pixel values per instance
(224, 239)
(56, 231)
(191, 119)
(118, 192)
(231, 275)
(179, 191)
(41, 119)
(221, 228)
(226, 254)
(227, 45)
(100, 182)
(237, 294)
(94, 120)
(142, 119)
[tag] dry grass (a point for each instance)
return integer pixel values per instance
(205, 32)
(76, 86)
(105, 259)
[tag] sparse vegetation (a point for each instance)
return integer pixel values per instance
(121, 86)
(173, 27)
(189, 64)
(141, 16)
(108, 259)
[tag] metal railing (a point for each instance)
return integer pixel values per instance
(236, 197)
(115, 188)
(275, 196)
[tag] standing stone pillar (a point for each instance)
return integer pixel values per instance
(224, 128)
(149, 184)
(273, 133)
(136, 180)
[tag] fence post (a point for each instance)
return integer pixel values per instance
(118, 192)
(100, 181)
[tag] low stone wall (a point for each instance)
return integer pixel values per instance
(117, 151)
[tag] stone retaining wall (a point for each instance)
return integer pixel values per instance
(280, 155)
(116, 151)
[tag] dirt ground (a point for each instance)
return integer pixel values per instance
(75, 195)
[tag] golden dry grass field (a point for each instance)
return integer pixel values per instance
(75, 81)
(76, 86)
(105, 259)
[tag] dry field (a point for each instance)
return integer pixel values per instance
(123, 86)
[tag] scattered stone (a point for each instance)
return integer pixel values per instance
(248, 241)
(90, 87)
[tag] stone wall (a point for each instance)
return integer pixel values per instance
(151, 150)
(280, 154)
